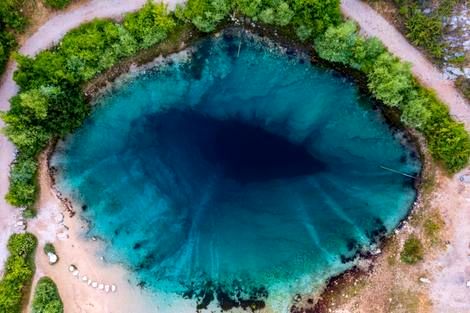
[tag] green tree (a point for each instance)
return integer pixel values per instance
(204, 14)
(46, 297)
(150, 25)
(390, 80)
(415, 113)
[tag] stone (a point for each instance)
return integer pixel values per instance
(52, 258)
(101, 286)
(85, 278)
(454, 71)
(466, 71)
(62, 236)
(427, 11)
(59, 218)
(76, 273)
(468, 284)
(89, 282)
(424, 280)
(106, 288)
(72, 268)
(113, 288)
(376, 251)
(94, 284)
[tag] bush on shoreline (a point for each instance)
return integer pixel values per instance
(19, 271)
(51, 104)
(46, 297)
(391, 81)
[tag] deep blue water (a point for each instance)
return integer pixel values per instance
(255, 174)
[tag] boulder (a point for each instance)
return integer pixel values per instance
(52, 258)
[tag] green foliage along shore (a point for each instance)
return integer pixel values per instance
(19, 271)
(46, 297)
(391, 81)
(50, 103)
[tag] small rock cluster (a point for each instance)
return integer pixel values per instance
(62, 234)
(92, 283)
(457, 39)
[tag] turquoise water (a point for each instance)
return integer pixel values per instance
(221, 175)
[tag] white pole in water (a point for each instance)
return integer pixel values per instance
(397, 172)
(240, 44)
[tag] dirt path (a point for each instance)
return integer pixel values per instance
(373, 24)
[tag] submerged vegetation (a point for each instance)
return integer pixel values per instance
(51, 103)
(19, 271)
(46, 297)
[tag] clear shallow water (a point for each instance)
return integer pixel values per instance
(256, 176)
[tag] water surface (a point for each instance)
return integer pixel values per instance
(236, 175)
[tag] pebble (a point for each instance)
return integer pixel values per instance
(100, 286)
(94, 284)
(76, 273)
(106, 288)
(468, 284)
(113, 288)
(424, 280)
(72, 268)
(84, 278)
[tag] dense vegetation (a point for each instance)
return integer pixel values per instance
(11, 20)
(46, 297)
(391, 82)
(425, 30)
(19, 270)
(50, 103)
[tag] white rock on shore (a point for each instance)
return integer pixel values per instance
(52, 258)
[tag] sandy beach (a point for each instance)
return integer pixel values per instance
(448, 271)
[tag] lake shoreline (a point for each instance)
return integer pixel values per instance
(102, 83)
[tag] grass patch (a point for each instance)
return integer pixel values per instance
(413, 251)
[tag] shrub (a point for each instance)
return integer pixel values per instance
(46, 297)
(57, 4)
(150, 25)
(390, 80)
(23, 189)
(49, 248)
(19, 270)
(204, 14)
(11, 16)
(7, 44)
(412, 251)
(425, 31)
